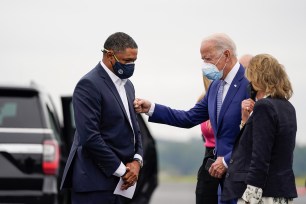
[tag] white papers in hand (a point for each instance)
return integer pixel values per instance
(126, 193)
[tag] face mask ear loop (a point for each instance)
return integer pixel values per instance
(219, 59)
(225, 64)
(105, 50)
(115, 58)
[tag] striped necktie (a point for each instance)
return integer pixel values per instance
(219, 97)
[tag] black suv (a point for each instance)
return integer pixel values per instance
(34, 146)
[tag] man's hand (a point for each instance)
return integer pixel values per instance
(131, 175)
(142, 105)
(217, 169)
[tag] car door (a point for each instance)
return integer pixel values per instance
(148, 180)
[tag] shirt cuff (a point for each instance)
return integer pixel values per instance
(151, 111)
(137, 156)
(120, 171)
(224, 163)
(252, 194)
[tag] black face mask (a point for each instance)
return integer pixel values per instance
(124, 71)
(252, 93)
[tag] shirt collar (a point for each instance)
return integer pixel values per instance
(231, 75)
(116, 80)
(265, 96)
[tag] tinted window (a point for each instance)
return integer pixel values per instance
(20, 112)
(56, 131)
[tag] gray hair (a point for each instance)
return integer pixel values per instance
(222, 42)
(119, 42)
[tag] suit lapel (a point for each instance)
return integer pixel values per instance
(108, 81)
(130, 98)
(233, 89)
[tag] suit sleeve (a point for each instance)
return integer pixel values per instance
(227, 158)
(263, 135)
(138, 138)
(87, 109)
(180, 118)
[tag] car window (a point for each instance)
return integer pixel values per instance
(20, 112)
(56, 131)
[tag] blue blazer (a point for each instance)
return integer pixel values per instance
(263, 153)
(103, 137)
(227, 128)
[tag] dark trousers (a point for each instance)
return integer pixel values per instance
(207, 186)
(97, 197)
(233, 201)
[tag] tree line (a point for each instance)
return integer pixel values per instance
(185, 158)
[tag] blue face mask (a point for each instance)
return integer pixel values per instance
(211, 71)
(123, 71)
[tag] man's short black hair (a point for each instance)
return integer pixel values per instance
(119, 42)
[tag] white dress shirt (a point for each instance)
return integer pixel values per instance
(119, 84)
(229, 79)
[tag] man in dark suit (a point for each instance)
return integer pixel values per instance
(218, 52)
(107, 144)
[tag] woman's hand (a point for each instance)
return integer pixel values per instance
(247, 107)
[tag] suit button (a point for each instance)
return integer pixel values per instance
(227, 175)
(231, 161)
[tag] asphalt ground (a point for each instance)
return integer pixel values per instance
(184, 193)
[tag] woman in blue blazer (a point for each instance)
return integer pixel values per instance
(260, 169)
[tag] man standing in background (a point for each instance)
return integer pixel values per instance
(244, 60)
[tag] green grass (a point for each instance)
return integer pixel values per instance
(177, 178)
(300, 181)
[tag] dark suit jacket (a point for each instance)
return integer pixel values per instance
(263, 152)
(227, 128)
(103, 137)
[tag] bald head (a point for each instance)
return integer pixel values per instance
(244, 60)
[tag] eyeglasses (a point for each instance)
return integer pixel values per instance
(126, 61)
(107, 51)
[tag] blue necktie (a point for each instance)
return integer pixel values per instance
(219, 98)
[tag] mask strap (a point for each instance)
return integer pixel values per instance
(115, 58)
(224, 66)
(219, 58)
(107, 51)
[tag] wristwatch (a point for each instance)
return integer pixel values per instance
(139, 161)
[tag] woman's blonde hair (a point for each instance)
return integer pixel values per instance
(268, 76)
(206, 83)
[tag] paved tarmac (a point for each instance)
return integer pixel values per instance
(184, 193)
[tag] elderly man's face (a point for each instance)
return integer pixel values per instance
(210, 55)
